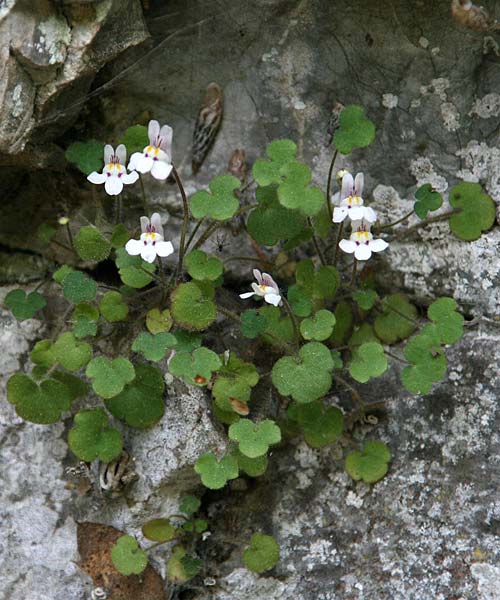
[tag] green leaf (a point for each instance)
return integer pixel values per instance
(84, 327)
(153, 347)
(112, 307)
(181, 567)
(308, 379)
(279, 327)
(109, 376)
(449, 323)
(90, 244)
(134, 271)
(78, 287)
(371, 464)
(365, 299)
(84, 309)
(254, 439)
(477, 211)
(24, 306)
(363, 333)
(189, 505)
(201, 267)
(344, 322)
(196, 367)
(70, 354)
(428, 200)
(192, 306)
(159, 321)
(42, 354)
(59, 275)
(228, 417)
(45, 233)
(428, 361)
(368, 361)
(318, 285)
(280, 152)
(76, 387)
(187, 341)
(322, 424)
(253, 324)
(300, 301)
(38, 403)
(294, 194)
(159, 530)
(128, 558)
(87, 156)
(92, 437)
(135, 139)
(221, 204)
(215, 474)
(355, 130)
(319, 327)
(120, 236)
(141, 402)
(397, 322)
(234, 380)
(253, 467)
(262, 554)
(270, 222)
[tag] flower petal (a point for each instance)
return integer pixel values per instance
(121, 153)
(347, 246)
(160, 169)
(256, 290)
(378, 245)
(144, 164)
(164, 249)
(148, 253)
(108, 153)
(113, 185)
(369, 214)
(166, 134)
(363, 252)
(339, 214)
(144, 224)
(258, 275)
(356, 213)
(273, 299)
(156, 223)
(96, 177)
(134, 159)
(129, 178)
(359, 184)
(347, 186)
(268, 280)
(247, 295)
(153, 131)
(133, 247)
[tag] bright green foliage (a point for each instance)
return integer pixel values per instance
(428, 361)
(280, 152)
(45, 233)
(87, 156)
(427, 200)
(305, 380)
(39, 403)
(318, 285)
(254, 439)
(135, 139)
(371, 464)
(294, 192)
(128, 558)
(449, 323)
(159, 530)
(221, 204)
(141, 403)
(92, 437)
(112, 307)
(398, 320)
(305, 235)
(235, 380)
(253, 323)
(24, 306)
(158, 321)
(84, 309)
(355, 130)
(477, 211)
(84, 327)
(192, 306)
(215, 474)
(197, 525)
(253, 467)
(69, 353)
(120, 236)
(153, 347)
(76, 387)
(363, 333)
(365, 299)
(322, 223)
(300, 301)
(368, 361)
(78, 287)
(109, 376)
(134, 271)
(321, 424)
(42, 354)
(262, 554)
(91, 245)
(181, 567)
(202, 267)
(187, 341)
(279, 328)
(59, 275)
(271, 222)
(319, 327)
(337, 359)
(196, 367)
(189, 505)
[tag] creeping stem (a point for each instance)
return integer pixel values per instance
(294, 323)
(337, 241)
(185, 221)
(389, 225)
(316, 243)
(329, 184)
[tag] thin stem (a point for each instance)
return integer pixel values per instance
(354, 391)
(294, 323)
(143, 193)
(398, 358)
(185, 221)
(118, 209)
(193, 233)
(398, 312)
(229, 314)
(211, 228)
(337, 242)
(246, 186)
(316, 243)
(389, 225)
(249, 259)
(436, 219)
(354, 270)
(70, 235)
(329, 184)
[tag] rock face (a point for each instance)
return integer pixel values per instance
(429, 530)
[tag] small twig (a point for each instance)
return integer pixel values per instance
(70, 235)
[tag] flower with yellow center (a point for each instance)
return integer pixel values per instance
(151, 243)
(157, 157)
(361, 242)
(265, 287)
(114, 175)
(351, 201)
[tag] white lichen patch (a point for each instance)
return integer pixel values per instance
(486, 107)
(54, 37)
(353, 500)
(390, 100)
(482, 164)
(423, 42)
(451, 116)
(488, 580)
(423, 171)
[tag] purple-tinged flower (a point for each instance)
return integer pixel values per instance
(265, 287)
(351, 201)
(361, 242)
(151, 243)
(114, 174)
(157, 157)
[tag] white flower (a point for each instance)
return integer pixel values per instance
(157, 157)
(265, 287)
(361, 242)
(114, 174)
(351, 201)
(151, 243)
